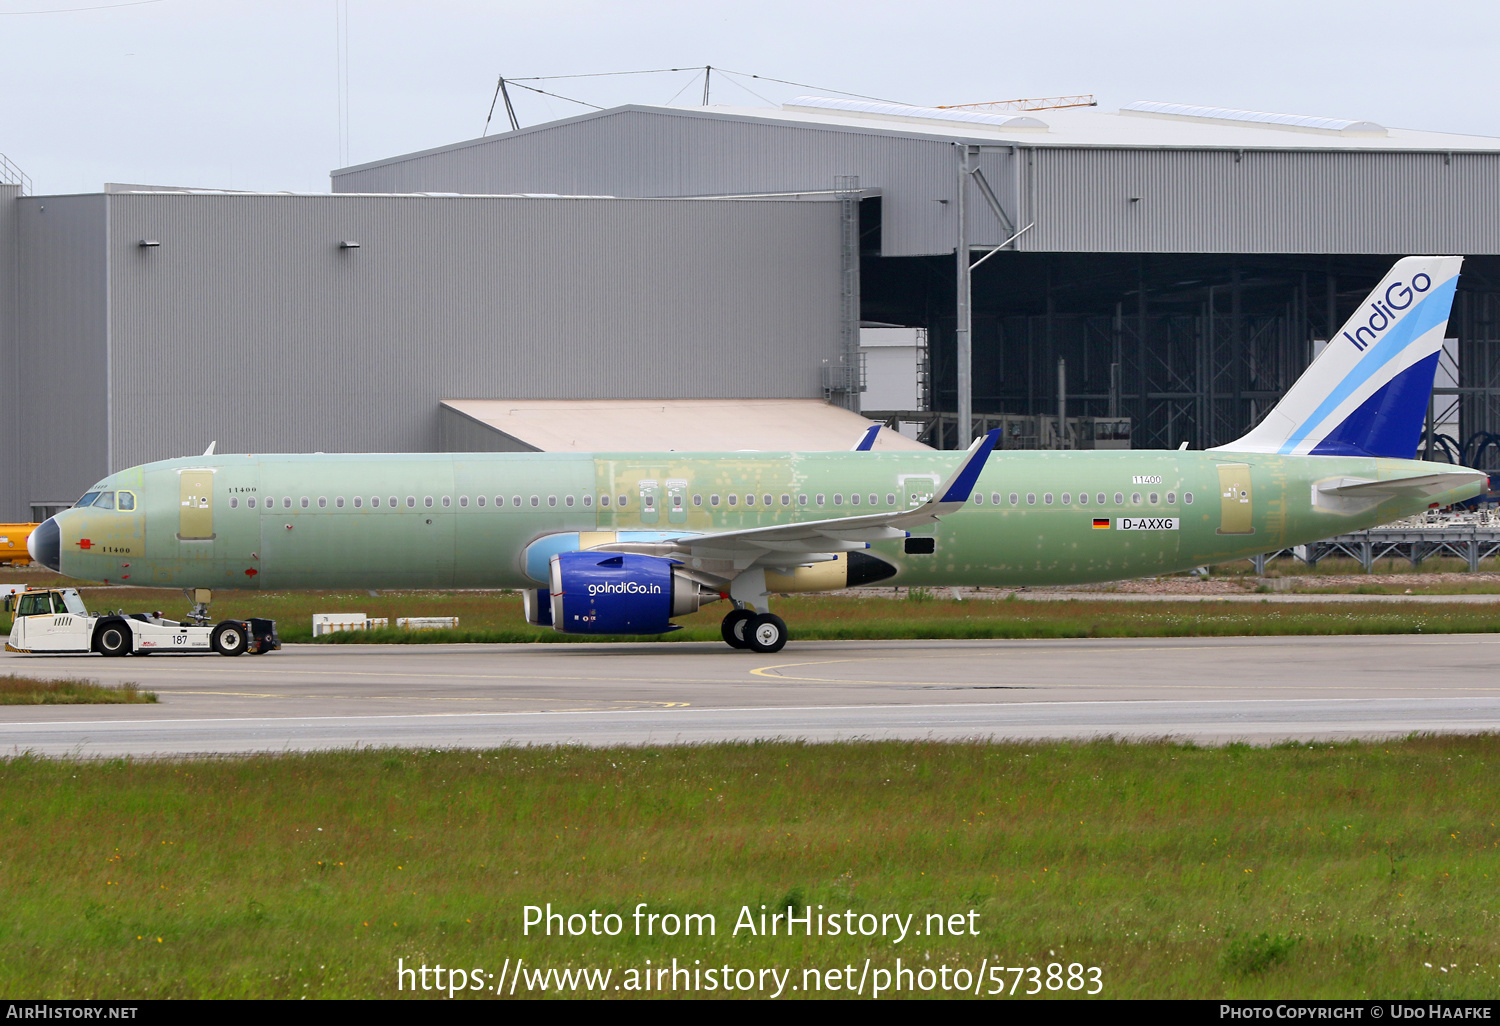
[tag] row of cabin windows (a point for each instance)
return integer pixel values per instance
(649, 501)
(622, 501)
(1100, 498)
(1083, 499)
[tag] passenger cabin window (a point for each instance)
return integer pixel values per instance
(749, 500)
(765, 500)
(1014, 499)
(734, 499)
(304, 502)
(427, 501)
(1153, 497)
(480, 499)
(802, 498)
(463, 501)
(127, 500)
(411, 502)
(979, 498)
(536, 501)
(250, 502)
(1083, 498)
(1099, 498)
(447, 502)
(1047, 498)
(1031, 498)
(1066, 499)
(1119, 498)
(648, 501)
(394, 503)
(1135, 498)
(713, 500)
(286, 502)
(1171, 498)
(588, 500)
(819, 499)
(515, 500)
(697, 500)
(854, 499)
(786, 499)
(624, 501)
(358, 502)
(322, 502)
(568, 500)
(874, 499)
(838, 499)
(339, 502)
(890, 498)
(1187, 497)
(604, 500)
(234, 503)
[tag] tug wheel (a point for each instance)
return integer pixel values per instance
(229, 639)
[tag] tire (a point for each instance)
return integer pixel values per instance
(734, 626)
(229, 638)
(766, 634)
(114, 639)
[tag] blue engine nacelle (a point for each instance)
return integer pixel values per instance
(624, 593)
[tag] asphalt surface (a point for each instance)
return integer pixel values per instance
(1261, 690)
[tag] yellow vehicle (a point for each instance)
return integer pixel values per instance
(13, 543)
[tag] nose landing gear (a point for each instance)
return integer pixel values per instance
(759, 632)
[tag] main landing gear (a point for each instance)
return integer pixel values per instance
(759, 632)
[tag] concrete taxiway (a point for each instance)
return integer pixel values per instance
(1210, 690)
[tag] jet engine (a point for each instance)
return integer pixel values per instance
(624, 593)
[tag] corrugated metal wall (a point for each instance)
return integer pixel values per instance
(1187, 200)
(250, 326)
(62, 348)
(11, 502)
(458, 432)
(1262, 201)
(633, 152)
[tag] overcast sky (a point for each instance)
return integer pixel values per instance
(245, 94)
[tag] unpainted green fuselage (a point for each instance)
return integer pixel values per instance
(464, 520)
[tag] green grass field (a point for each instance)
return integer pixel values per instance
(17, 690)
(1353, 870)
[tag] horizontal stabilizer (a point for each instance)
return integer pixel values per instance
(1354, 494)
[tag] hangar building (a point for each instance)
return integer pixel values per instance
(1167, 266)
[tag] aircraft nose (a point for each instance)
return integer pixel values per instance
(45, 545)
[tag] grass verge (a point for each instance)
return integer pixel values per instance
(17, 690)
(1320, 871)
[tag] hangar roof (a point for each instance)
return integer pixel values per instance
(1142, 123)
(664, 425)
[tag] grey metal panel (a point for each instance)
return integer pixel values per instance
(11, 500)
(1262, 201)
(1255, 200)
(632, 152)
(62, 361)
(250, 326)
(458, 432)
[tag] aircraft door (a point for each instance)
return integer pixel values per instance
(650, 501)
(1234, 499)
(676, 500)
(195, 518)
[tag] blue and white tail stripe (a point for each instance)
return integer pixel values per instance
(1367, 393)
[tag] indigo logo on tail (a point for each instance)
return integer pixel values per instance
(1398, 296)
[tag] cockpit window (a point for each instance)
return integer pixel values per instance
(126, 500)
(87, 500)
(106, 500)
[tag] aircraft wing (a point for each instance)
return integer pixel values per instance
(729, 552)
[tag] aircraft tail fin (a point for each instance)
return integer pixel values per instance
(1367, 393)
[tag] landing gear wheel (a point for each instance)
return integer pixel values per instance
(735, 628)
(229, 639)
(114, 640)
(767, 633)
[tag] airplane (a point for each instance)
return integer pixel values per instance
(620, 543)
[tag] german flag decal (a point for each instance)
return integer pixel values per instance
(1101, 523)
